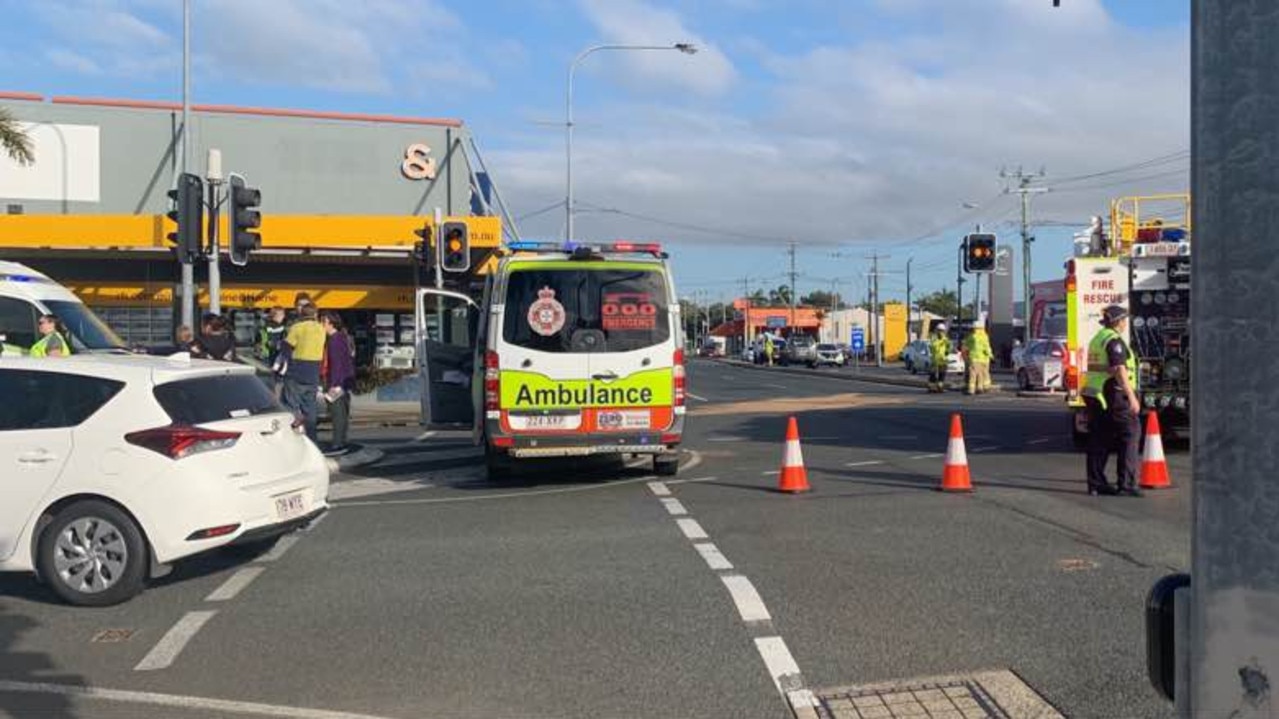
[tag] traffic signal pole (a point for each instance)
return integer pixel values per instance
(213, 175)
(187, 304)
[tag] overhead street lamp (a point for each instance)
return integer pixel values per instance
(684, 47)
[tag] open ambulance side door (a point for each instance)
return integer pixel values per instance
(446, 324)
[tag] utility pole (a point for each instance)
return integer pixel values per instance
(876, 339)
(746, 313)
(792, 286)
(959, 283)
(1025, 189)
(187, 311)
(909, 312)
(977, 288)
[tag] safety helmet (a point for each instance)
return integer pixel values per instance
(939, 327)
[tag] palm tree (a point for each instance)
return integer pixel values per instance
(14, 139)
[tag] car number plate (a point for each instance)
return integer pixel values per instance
(289, 506)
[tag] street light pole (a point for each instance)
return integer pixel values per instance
(684, 47)
(187, 311)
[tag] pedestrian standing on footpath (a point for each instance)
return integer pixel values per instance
(769, 350)
(300, 355)
(338, 378)
(53, 340)
(1110, 393)
(216, 342)
(938, 356)
(267, 348)
(978, 354)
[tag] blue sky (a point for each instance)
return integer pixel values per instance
(850, 126)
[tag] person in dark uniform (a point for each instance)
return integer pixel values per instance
(1110, 393)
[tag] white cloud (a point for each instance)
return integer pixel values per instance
(634, 22)
(109, 38)
(885, 138)
(69, 60)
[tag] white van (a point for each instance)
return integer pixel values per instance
(573, 350)
(25, 294)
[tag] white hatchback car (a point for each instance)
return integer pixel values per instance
(113, 466)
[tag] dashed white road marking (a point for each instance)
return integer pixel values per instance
(697, 397)
(770, 473)
(780, 664)
(178, 701)
(775, 386)
(990, 448)
(725, 439)
(280, 548)
(927, 456)
(867, 463)
(1042, 440)
(714, 558)
(173, 641)
(660, 489)
(747, 600)
(424, 436)
(674, 507)
(898, 437)
(692, 529)
(234, 584)
(691, 481)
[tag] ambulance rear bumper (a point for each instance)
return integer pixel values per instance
(543, 444)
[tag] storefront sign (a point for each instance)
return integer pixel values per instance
(418, 163)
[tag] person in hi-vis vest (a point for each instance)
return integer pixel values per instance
(1110, 393)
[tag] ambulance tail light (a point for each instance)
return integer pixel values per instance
(678, 373)
(492, 381)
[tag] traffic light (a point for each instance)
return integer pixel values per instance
(188, 214)
(455, 250)
(422, 250)
(980, 256)
(243, 219)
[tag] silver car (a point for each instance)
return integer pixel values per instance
(1041, 365)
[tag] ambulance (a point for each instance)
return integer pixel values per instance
(573, 350)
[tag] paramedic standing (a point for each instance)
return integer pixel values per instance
(1113, 410)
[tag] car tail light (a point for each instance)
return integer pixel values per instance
(492, 381)
(177, 441)
(212, 532)
(678, 373)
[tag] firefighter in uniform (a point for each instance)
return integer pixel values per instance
(1114, 412)
(51, 342)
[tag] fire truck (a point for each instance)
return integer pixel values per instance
(1143, 264)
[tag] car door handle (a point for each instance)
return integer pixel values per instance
(605, 376)
(41, 457)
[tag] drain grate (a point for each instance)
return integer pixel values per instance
(959, 699)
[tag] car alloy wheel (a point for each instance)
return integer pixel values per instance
(93, 554)
(90, 555)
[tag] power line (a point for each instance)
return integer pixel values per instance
(677, 225)
(1161, 160)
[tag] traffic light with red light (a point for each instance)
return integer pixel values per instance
(980, 255)
(455, 247)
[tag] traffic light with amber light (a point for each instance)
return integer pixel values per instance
(980, 256)
(244, 219)
(188, 214)
(455, 247)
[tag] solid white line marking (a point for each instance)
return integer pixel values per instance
(674, 507)
(692, 529)
(991, 448)
(690, 481)
(699, 398)
(774, 386)
(424, 436)
(777, 658)
(173, 641)
(234, 584)
(770, 473)
(660, 489)
(749, 605)
(926, 456)
(714, 559)
(1041, 440)
(725, 439)
(316, 522)
(280, 548)
(220, 706)
(867, 463)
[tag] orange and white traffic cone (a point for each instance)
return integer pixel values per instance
(954, 477)
(1154, 468)
(794, 477)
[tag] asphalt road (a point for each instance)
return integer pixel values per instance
(583, 589)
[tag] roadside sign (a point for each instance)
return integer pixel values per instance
(858, 340)
(776, 322)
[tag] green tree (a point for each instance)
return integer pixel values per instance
(779, 297)
(823, 299)
(14, 140)
(943, 303)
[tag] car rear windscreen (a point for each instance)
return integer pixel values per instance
(214, 399)
(586, 310)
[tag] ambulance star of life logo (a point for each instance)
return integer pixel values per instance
(546, 314)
